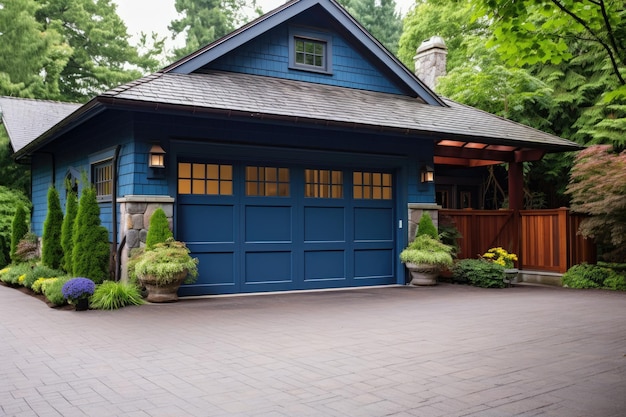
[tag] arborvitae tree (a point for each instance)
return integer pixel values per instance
(90, 254)
(19, 228)
(10, 200)
(159, 229)
(71, 208)
(426, 227)
(52, 251)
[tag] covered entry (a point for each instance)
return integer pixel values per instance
(264, 227)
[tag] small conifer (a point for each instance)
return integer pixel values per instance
(158, 230)
(91, 248)
(427, 227)
(71, 208)
(52, 251)
(19, 228)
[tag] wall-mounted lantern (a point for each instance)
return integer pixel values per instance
(427, 174)
(156, 157)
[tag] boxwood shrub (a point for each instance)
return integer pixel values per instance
(593, 276)
(479, 273)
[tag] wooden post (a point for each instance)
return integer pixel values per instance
(563, 237)
(516, 185)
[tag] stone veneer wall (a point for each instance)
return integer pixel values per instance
(415, 213)
(135, 212)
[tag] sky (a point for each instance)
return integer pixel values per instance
(154, 15)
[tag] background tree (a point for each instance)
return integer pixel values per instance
(51, 250)
(90, 240)
(204, 21)
(12, 175)
(598, 188)
(9, 202)
(19, 228)
(379, 17)
(71, 209)
(101, 54)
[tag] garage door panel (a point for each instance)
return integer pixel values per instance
(268, 223)
(207, 223)
(268, 267)
(373, 224)
(216, 275)
(324, 224)
(373, 263)
(324, 265)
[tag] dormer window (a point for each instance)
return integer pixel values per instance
(310, 51)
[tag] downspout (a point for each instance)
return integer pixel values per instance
(115, 259)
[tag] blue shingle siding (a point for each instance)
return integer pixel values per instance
(268, 55)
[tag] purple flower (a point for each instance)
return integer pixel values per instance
(77, 288)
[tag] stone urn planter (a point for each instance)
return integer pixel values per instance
(163, 268)
(423, 274)
(510, 276)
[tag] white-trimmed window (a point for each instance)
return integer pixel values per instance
(310, 51)
(102, 179)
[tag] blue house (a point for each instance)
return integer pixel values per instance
(295, 153)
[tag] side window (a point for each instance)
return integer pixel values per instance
(372, 185)
(102, 179)
(267, 181)
(310, 51)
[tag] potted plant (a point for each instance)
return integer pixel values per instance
(164, 268)
(425, 257)
(77, 291)
(505, 259)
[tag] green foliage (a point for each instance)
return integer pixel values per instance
(10, 200)
(426, 250)
(203, 21)
(159, 229)
(52, 251)
(71, 209)
(379, 18)
(165, 261)
(598, 188)
(479, 273)
(426, 227)
(594, 276)
(112, 295)
(52, 289)
(449, 234)
(14, 272)
(90, 240)
(38, 284)
(39, 271)
(19, 227)
(12, 175)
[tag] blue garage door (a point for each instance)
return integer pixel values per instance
(256, 227)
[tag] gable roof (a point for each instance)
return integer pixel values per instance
(26, 119)
(228, 43)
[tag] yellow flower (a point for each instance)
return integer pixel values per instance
(21, 278)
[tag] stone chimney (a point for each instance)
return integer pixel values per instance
(430, 61)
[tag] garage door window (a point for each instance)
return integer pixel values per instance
(267, 181)
(322, 183)
(207, 179)
(372, 185)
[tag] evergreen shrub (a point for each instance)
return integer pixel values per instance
(426, 227)
(19, 228)
(594, 276)
(158, 230)
(71, 209)
(51, 250)
(40, 271)
(479, 273)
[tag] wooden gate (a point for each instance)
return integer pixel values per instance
(544, 240)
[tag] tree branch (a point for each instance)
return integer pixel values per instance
(607, 23)
(606, 47)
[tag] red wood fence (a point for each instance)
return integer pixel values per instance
(544, 240)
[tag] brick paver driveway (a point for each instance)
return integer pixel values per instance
(398, 351)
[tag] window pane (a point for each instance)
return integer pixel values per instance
(198, 187)
(184, 170)
(212, 171)
(226, 172)
(226, 188)
(184, 186)
(198, 171)
(212, 187)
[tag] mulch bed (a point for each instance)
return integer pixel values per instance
(40, 297)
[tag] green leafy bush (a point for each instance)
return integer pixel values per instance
(10, 200)
(479, 273)
(165, 261)
(426, 250)
(53, 290)
(112, 295)
(14, 272)
(40, 271)
(594, 276)
(38, 284)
